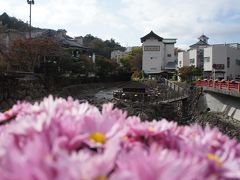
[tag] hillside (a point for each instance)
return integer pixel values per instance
(13, 23)
(95, 44)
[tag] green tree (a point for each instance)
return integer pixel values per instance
(100, 47)
(112, 44)
(132, 62)
(13, 23)
(188, 72)
(105, 67)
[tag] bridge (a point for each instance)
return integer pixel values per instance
(222, 96)
(231, 88)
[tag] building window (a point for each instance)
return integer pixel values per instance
(180, 63)
(218, 66)
(75, 53)
(192, 61)
(169, 55)
(153, 58)
(206, 59)
(153, 68)
(228, 62)
(237, 61)
(151, 48)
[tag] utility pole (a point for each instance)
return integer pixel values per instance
(30, 2)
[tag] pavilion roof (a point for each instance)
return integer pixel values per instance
(149, 35)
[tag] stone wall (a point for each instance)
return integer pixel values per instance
(14, 89)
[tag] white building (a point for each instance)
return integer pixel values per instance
(117, 54)
(219, 61)
(158, 54)
(182, 56)
(222, 61)
(193, 56)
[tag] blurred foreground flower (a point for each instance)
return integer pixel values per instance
(63, 139)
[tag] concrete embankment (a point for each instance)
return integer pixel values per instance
(226, 105)
(219, 110)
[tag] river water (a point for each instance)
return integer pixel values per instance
(105, 93)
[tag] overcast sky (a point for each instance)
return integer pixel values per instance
(127, 21)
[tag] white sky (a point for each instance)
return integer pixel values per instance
(127, 21)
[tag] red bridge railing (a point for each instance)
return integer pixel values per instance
(229, 85)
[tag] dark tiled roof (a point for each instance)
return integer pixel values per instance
(149, 35)
(203, 37)
(199, 43)
(64, 40)
(48, 33)
(71, 43)
(133, 85)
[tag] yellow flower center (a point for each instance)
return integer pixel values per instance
(98, 137)
(125, 138)
(101, 178)
(215, 158)
(8, 111)
(48, 157)
(151, 129)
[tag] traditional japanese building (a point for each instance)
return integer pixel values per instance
(158, 54)
(194, 55)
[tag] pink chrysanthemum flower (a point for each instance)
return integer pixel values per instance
(63, 139)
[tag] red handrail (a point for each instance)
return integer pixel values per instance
(230, 85)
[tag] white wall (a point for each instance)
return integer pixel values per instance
(234, 70)
(184, 58)
(193, 55)
(156, 61)
(207, 66)
(153, 61)
(169, 49)
(218, 54)
(180, 59)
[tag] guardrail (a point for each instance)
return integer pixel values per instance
(181, 91)
(229, 85)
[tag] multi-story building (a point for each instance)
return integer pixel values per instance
(158, 54)
(193, 56)
(222, 61)
(219, 61)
